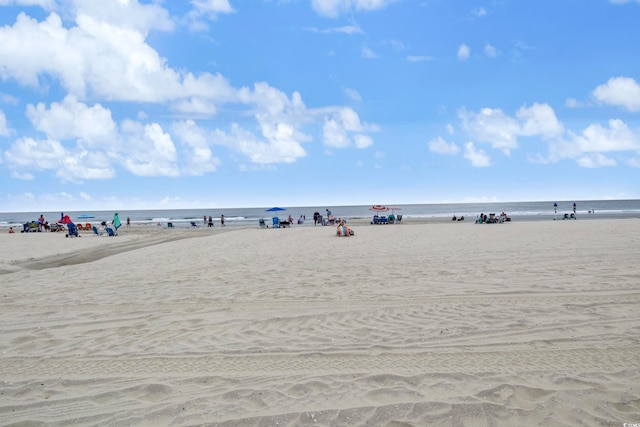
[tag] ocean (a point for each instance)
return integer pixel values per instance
(585, 209)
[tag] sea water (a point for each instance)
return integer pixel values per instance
(585, 209)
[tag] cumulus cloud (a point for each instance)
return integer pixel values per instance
(492, 126)
(339, 127)
(620, 91)
(440, 146)
(103, 54)
(50, 155)
(93, 126)
(477, 157)
(595, 146)
(539, 119)
(204, 10)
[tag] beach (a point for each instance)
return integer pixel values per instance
(414, 324)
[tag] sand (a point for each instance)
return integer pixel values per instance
(415, 324)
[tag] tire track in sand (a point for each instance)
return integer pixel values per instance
(301, 305)
(574, 360)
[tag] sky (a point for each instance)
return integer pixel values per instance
(133, 104)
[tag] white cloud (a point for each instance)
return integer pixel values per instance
(490, 51)
(68, 165)
(620, 91)
(199, 158)
(587, 148)
(595, 160)
(127, 14)
(337, 129)
(335, 135)
(492, 126)
(98, 58)
(617, 137)
(353, 94)
(334, 8)
(463, 52)
(150, 151)
(206, 9)
(345, 29)
(362, 141)
(419, 58)
(4, 127)
(440, 146)
(478, 158)
(479, 12)
(539, 119)
(572, 103)
(367, 53)
(93, 126)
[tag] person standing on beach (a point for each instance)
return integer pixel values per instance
(222, 220)
(210, 222)
(128, 222)
(204, 220)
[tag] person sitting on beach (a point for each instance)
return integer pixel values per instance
(342, 229)
(11, 230)
(301, 219)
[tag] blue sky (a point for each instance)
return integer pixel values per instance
(126, 104)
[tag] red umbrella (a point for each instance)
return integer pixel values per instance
(65, 220)
(379, 208)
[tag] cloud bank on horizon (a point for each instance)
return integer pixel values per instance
(145, 104)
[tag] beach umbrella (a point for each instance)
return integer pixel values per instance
(395, 208)
(276, 209)
(65, 220)
(116, 221)
(378, 208)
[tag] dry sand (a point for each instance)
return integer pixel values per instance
(447, 324)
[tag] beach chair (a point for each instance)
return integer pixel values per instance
(276, 222)
(193, 224)
(262, 223)
(110, 232)
(80, 227)
(398, 219)
(95, 231)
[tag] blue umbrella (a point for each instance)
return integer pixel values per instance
(83, 216)
(275, 209)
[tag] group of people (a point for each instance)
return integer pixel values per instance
(210, 221)
(492, 218)
(318, 219)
